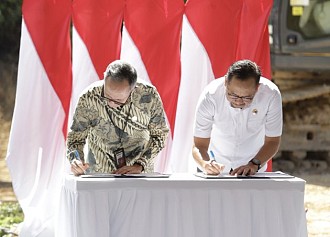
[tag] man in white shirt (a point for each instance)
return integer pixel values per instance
(238, 122)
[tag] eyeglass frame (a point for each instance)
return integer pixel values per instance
(115, 101)
(246, 99)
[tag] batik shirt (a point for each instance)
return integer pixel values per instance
(139, 127)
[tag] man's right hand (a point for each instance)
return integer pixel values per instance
(78, 168)
(212, 167)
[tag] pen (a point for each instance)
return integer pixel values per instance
(212, 155)
(77, 157)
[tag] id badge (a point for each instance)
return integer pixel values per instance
(120, 157)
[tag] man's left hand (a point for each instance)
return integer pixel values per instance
(134, 169)
(249, 169)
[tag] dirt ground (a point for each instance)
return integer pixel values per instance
(317, 201)
(317, 192)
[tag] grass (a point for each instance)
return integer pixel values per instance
(11, 215)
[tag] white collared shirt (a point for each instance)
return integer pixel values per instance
(238, 134)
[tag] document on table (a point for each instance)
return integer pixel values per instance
(259, 175)
(142, 175)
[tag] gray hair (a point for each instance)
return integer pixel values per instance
(119, 71)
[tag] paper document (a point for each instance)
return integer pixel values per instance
(259, 175)
(142, 175)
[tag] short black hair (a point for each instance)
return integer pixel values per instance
(244, 69)
(119, 71)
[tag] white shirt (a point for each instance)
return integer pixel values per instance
(238, 134)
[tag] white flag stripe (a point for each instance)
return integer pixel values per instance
(83, 70)
(131, 54)
(195, 75)
(83, 74)
(36, 140)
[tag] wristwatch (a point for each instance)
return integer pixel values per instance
(255, 161)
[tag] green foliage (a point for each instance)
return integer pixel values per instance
(10, 214)
(10, 25)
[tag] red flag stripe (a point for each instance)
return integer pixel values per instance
(217, 25)
(253, 35)
(99, 25)
(155, 27)
(230, 33)
(52, 43)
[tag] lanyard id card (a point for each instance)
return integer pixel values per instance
(120, 157)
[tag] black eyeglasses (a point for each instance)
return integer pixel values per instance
(246, 99)
(114, 101)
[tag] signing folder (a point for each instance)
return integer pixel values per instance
(259, 175)
(142, 175)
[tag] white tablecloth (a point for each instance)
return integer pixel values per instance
(181, 206)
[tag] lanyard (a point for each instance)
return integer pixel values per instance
(126, 121)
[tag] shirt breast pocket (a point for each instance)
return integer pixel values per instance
(224, 128)
(255, 124)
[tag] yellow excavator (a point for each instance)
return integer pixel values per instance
(300, 59)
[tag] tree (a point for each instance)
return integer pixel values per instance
(10, 26)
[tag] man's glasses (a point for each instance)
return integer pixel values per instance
(114, 101)
(246, 99)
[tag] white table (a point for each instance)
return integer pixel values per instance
(181, 206)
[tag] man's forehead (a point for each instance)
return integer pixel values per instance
(117, 91)
(113, 84)
(246, 82)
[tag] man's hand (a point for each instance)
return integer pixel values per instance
(212, 167)
(78, 168)
(134, 169)
(249, 169)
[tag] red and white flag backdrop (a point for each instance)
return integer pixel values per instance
(178, 48)
(37, 143)
(214, 35)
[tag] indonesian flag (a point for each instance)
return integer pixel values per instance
(36, 150)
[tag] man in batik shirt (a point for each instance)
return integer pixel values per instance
(123, 122)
